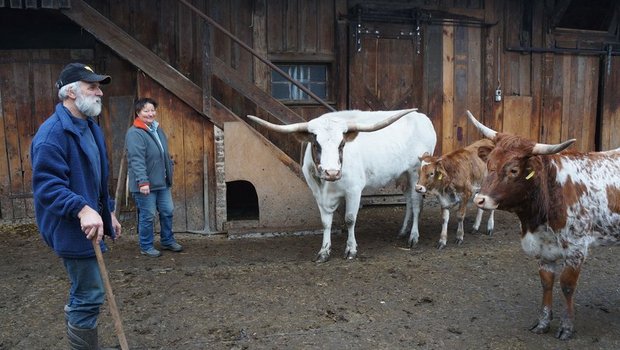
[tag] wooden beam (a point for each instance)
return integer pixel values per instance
(137, 54)
(252, 92)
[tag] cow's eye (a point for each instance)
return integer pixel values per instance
(513, 172)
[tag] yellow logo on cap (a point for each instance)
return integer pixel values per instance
(88, 68)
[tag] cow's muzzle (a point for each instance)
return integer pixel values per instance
(485, 202)
(331, 175)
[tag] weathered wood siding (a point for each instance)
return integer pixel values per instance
(546, 96)
(27, 98)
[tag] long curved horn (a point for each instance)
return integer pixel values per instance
(352, 126)
(486, 131)
(286, 129)
(543, 148)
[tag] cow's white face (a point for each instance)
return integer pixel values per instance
(329, 138)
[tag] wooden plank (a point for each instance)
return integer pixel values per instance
(6, 206)
(193, 154)
(275, 30)
(517, 110)
(610, 114)
(447, 136)
(186, 25)
(537, 61)
(291, 26)
(220, 13)
(262, 77)
(168, 41)
(327, 13)
(309, 17)
(591, 101)
(132, 50)
(474, 86)
(339, 86)
(461, 86)
(567, 130)
(433, 80)
(122, 13)
(121, 108)
(12, 109)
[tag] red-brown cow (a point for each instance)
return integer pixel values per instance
(454, 178)
(566, 202)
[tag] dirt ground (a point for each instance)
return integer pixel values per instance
(266, 293)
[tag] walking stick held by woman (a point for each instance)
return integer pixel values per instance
(118, 323)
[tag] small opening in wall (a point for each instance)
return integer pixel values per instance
(241, 201)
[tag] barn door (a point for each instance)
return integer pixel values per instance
(386, 69)
(385, 74)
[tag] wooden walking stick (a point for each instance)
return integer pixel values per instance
(118, 324)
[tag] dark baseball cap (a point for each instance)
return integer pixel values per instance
(80, 72)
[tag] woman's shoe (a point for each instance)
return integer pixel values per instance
(151, 252)
(174, 246)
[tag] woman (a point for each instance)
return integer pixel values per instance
(150, 177)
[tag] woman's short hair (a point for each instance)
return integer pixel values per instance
(140, 103)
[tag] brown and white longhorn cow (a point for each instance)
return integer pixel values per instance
(454, 178)
(566, 202)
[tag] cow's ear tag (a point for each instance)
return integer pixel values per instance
(530, 175)
(440, 176)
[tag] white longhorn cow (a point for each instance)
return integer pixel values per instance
(353, 150)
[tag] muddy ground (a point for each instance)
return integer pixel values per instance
(266, 293)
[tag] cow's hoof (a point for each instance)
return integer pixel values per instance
(458, 241)
(440, 245)
(475, 231)
(321, 258)
(490, 233)
(350, 255)
(564, 333)
(540, 328)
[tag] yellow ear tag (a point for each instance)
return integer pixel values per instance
(440, 176)
(530, 175)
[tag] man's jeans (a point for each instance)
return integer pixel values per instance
(148, 205)
(86, 294)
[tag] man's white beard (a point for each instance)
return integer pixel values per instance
(89, 106)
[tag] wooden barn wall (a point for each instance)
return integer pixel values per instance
(27, 98)
(281, 31)
(610, 120)
(548, 97)
(168, 28)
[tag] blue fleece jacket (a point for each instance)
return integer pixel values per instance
(64, 181)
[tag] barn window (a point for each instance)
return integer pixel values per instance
(241, 201)
(312, 76)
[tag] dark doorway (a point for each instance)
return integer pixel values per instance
(241, 201)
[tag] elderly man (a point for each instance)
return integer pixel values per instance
(71, 198)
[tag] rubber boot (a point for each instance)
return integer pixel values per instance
(82, 339)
